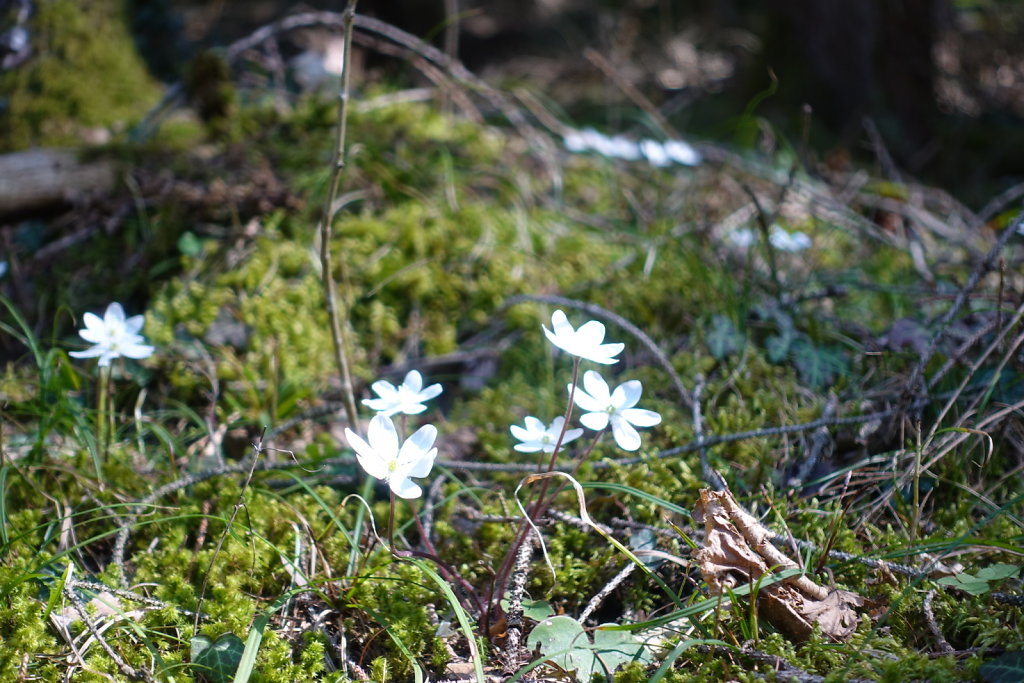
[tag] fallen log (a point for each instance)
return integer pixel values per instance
(42, 178)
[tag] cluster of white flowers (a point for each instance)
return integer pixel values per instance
(384, 456)
(603, 406)
(380, 454)
(780, 238)
(113, 336)
(620, 147)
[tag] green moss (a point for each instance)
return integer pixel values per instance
(84, 73)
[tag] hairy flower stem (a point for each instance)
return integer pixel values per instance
(539, 505)
(104, 416)
(391, 523)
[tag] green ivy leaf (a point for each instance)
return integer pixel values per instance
(722, 337)
(777, 347)
(997, 572)
(218, 660)
(1009, 668)
(966, 583)
(817, 365)
(565, 643)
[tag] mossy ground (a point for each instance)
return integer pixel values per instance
(445, 221)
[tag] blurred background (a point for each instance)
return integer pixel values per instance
(932, 88)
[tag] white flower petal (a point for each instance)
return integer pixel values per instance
(114, 315)
(133, 325)
(430, 392)
(93, 322)
(95, 335)
(383, 436)
(627, 394)
(384, 389)
(596, 421)
(382, 406)
(418, 445)
(413, 381)
(136, 351)
(572, 435)
(520, 433)
(590, 334)
(585, 401)
(641, 417)
(405, 488)
(368, 458)
(595, 385)
(90, 352)
(529, 446)
(534, 426)
(627, 437)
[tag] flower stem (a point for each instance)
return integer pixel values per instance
(103, 417)
(391, 524)
(538, 507)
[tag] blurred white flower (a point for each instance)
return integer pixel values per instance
(586, 342)
(537, 437)
(614, 407)
(788, 241)
(406, 398)
(3, 268)
(113, 336)
(655, 153)
(682, 153)
(620, 147)
(382, 458)
(779, 238)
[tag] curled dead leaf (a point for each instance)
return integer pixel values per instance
(737, 551)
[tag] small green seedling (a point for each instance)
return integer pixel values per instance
(564, 643)
(978, 583)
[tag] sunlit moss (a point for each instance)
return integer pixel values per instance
(84, 73)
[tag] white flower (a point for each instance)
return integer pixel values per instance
(616, 407)
(406, 398)
(655, 153)
(383, 459)
(742, 238)
(682, 153)
(536, 437)
(788, 241)
(586, 342)
(113, 336)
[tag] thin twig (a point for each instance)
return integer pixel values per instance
(933, 626)
(140, 674)
(338, 328)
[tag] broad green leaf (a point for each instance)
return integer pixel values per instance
(218, 660)
(537, 609)
(562, 640)
(1008, 668)
(997, 572)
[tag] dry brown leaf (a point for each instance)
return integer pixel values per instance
(738, 551)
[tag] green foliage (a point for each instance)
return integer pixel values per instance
(980, 582)
(85, 72)
(217, 660)
(565, 644)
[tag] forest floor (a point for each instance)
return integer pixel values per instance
(832, 489)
